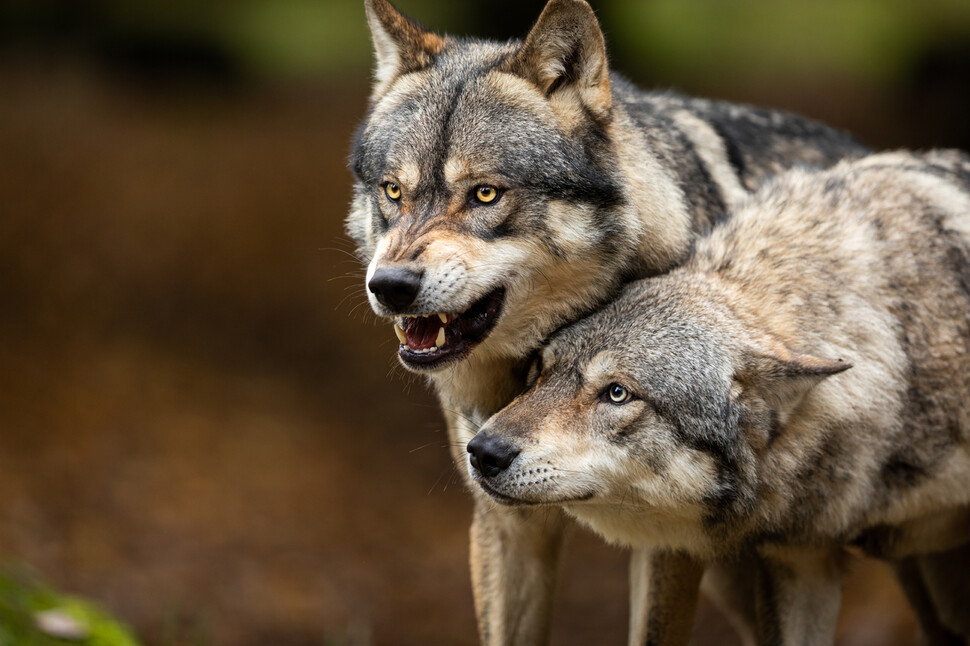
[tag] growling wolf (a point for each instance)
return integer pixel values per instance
(799, 386)
(504, 189)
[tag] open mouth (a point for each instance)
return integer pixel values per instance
(430, 341)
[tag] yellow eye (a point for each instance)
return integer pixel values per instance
(486, 193)
(393, 191)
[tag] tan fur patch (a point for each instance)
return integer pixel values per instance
(567, 103)
(393, 94)
(517, 92)
(657, 207)
(456, 169)
(548, 357)
(568, 223)
(710, 147)
(409, 176)
(601, 367)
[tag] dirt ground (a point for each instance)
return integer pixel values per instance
(201, 426)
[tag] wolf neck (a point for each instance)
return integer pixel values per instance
(656, 209)
(479, 386)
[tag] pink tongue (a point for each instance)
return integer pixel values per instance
(422, 332)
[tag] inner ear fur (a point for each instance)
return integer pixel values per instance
(400, 44)
(566, 50)
(782, 376)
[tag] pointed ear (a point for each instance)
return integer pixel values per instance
(400, 45)
(782, 377)
(565, 51)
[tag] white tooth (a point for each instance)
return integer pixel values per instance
(440, 341)
(400, 334)
(433, 349)
(443, 317)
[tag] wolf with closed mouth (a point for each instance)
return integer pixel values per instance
(504, 189)
(799, 386)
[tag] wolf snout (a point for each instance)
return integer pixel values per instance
(490, 455)
(395, 287)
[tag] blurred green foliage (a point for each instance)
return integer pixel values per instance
(23, 600)
(872, 39)
(674, 39)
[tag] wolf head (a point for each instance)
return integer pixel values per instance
(487, 204)
(658, 403)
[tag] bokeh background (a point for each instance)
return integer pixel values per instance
(201, 424)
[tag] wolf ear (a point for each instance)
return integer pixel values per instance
(400, 45)
(565, 51)
(782, 377)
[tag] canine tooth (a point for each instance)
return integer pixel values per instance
(400, 334)
(443, 317)
(440, 340)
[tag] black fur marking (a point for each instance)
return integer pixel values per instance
(713, 433)
(902, 471)
(418, 250)
(379, 223)
(774, 426)
(835, 188)
(438, 164)
(356, 159)
(735, 158)
(757, 138)
(959, 262)
(821, 473)
(505, 229)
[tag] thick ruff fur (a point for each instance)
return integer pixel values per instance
(800, 386)
(590, 182)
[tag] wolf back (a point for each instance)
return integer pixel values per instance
(802, 381)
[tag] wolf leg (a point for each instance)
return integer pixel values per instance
(932, 632)
(514, 562)
(945, 575)
(731, 585)
(663, 597)
(639, 594)
(799, 591)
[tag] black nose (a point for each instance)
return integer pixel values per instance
(395, 287)
(490, 456)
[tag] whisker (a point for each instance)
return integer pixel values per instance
(440, 476)
(343, 251)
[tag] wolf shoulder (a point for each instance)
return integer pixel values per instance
(903, 217)
(757, 142)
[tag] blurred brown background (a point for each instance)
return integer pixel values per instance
(201, 425)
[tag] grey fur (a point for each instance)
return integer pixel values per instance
(801, 385)
(601, 183)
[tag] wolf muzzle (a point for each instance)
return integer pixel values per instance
(490, 455)
(395, 287)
